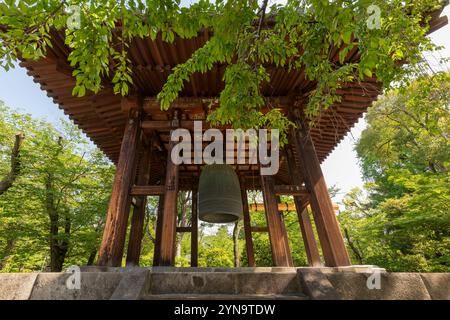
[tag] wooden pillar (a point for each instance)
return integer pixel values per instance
(247, 227)
(169, 219)
(312, 252)
(333, 247)
(285, 235)
(278, 238)
(111, 248)
(158, 232)
(194, 229)
(138, 218)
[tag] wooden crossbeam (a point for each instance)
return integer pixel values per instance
(290, 190)
(184, 229)
(152, 103)
(255, 207)
(260, 229)
(147, 190)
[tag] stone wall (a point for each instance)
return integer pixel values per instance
(213, 283)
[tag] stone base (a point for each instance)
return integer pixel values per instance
(101, 283)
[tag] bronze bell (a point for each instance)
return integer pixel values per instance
(219, 194)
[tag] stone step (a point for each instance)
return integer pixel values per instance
(194, 297)
(224, 283)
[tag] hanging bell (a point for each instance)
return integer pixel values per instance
(219, 194)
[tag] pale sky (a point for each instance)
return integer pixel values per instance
(341, 168)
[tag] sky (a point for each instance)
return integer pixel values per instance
(341, 168)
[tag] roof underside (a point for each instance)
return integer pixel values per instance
(101, 118)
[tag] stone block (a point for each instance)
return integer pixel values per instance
(267, 283)
(393, 286)
(437, 284)
(316, 284)
(133, 285)
(192, 282)
(16, 286)
(99, 286)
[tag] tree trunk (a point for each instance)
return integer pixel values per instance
(8, 181)
(58, 247)
(92, 256)
(353, 247)
(236, 231)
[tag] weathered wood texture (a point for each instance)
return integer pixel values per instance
(169, 219)
(278, 239)
(111, 248)
(138, 218)
(312, 251)
(259, 207)
(285, 236)
(291, 190)
(147, 190)
(333, 247)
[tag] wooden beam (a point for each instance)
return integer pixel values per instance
(309, 240)
(293, 190)
(138, 218)
(247, 227)
(259, 207)
(312, 251)
(184, 229)
(152, 103)
(169, 221)
(278, 240)
(111, 248)
(260, 229)
(333, 246)
(130, 103)
(285, 236)
(194, 233)
(168, 125)
(146, 190)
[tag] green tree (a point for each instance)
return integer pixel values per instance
(216, 250)
(53, 214)
(401, 220)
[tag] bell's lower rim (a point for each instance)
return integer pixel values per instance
(215, 217)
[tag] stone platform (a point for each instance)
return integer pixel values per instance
(232, 284)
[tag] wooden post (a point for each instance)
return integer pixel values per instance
(312, 252)
(138, 218)
(285, 235)
(333, 247)
(158, 232)
(111, 248)
(247, 228)
(194, 229)
(169, 219)
(278, 239)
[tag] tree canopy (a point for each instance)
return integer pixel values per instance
(247, 36)
(401, 220)
(54, 211)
